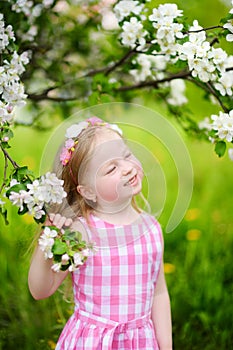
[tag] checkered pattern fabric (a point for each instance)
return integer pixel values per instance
(113, 290)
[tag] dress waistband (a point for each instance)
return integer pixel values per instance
(110, 324)
(111, 327)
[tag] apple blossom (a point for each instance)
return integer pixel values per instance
(229, 27)
(225, 84)
(161, 47)
(18, 198)
(56, 267)
(222, 124)
(46, 242)
(11, 89)
(149, 66)
(124, 8)
(43, 191)
(176, 96)
(75, 129)
(133, 34)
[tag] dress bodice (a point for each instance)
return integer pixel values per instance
(118, 280)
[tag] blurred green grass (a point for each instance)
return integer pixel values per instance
(198, 254)
(198, 261)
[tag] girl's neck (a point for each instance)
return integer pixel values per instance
(126, 216)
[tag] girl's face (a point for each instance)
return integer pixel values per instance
(113, 174)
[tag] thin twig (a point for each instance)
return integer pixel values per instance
(120, 62)
(6, 154)
(44, 96)
(154, 83)
(212, 90)
(93, 72)
(4, 173)
(209, 89)
(106, 70)
(204, 29)
(6, 158)
(214, 41)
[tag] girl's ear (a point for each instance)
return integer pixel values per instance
(86, 192)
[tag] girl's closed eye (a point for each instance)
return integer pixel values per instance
(110, 170)
(128, 155)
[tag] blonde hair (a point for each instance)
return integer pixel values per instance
(74, 204)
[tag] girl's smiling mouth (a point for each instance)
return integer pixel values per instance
(132, 181)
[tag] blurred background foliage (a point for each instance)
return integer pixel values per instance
(198, 253)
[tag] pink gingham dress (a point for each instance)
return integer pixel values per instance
(113, 290)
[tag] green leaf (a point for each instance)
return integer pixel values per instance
(15, 188)
(78, 236)
(64, 267)
(23, 174)
(226, 19)
(5, 145)
(72, 236)
(59, 247)
(3, 213)
(69, 235)
(82, 245)
(220, 148)
(155, 47)
(212, 133)
(56, 258)
(6, 133)
(22, 212)
(94, 98)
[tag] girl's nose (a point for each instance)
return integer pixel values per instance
(126, 167)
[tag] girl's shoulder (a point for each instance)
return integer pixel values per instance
(150, 218)
(153, 223)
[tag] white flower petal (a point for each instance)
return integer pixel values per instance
(74, 130)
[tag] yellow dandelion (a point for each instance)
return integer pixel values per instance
(193, 235)
(169, 268)
(192, 214)
(51, 344)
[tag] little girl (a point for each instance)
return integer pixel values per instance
(120, 293)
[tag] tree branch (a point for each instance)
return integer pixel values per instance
(120, 62)
(44, 96)
(6, 158)
(154, 83)
(209, 89)
(213, 92)
(4, 173)
(107, 70)
(204, 29)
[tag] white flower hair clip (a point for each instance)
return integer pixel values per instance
(75, 130)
